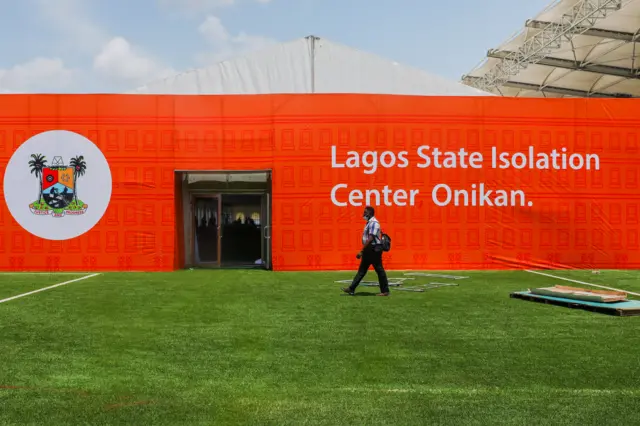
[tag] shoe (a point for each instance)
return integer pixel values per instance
(348, 291)
(382, 294)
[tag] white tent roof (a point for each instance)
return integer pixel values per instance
(573, 48)
(309, 65)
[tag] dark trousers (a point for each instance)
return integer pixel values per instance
(371, 257)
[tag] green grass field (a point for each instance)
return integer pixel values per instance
(263, 348)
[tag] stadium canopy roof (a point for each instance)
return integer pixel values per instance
(309, 65)
(573, 48)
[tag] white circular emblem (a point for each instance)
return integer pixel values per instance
(57, 185)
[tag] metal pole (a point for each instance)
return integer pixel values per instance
(313, 63)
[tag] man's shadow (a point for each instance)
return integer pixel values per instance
(359, 294)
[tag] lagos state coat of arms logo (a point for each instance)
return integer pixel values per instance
(57, 186)
(57, 174)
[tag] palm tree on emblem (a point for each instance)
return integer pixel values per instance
(37, 164)
(79, 167)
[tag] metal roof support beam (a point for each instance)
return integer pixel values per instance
(593, 32)
(583, 16)
(573, 65)
(557, 90)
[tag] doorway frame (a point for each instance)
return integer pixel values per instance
(266, 244)
(267, 248)
(217, 263)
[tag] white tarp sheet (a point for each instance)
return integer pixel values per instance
(309, 65)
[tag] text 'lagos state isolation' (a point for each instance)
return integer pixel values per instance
(477, 194)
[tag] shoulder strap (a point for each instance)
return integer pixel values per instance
(379, 233)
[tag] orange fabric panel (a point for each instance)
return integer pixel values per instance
(577, 218)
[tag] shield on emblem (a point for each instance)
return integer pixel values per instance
(57, 186)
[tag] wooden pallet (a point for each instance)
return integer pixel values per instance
(576, 293)
(622, 309)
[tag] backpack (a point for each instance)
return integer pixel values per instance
(386, 242)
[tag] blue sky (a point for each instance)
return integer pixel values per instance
(117, 45)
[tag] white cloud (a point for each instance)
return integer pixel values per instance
(37, 75)
(225, 45)
(120, 62)
(213, 31)
(110, 62)
(114, 63)
(74, 23)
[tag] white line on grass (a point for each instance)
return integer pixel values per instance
(579, 282)
(42, 273)
(48, 288)
(496, 390)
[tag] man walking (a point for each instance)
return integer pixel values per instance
(371, 254)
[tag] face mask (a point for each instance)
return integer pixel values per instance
(366, 217)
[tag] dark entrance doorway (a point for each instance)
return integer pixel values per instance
(241, 236)
(227, 219)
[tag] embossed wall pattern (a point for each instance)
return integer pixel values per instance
(578, 219)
